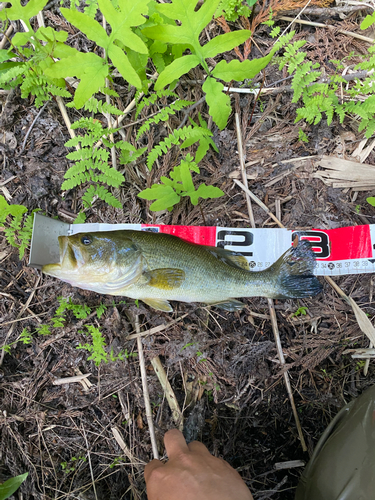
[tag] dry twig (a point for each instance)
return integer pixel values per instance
(145, 391)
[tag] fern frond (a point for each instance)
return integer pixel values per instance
(74, 181)
(111, 176)
(109, 91)
(147, 101)
(96, 106)
(100, 154)
(102, 193)
(303, 78)
(174, 138)
(163, 115)
(11, 73)
(88, 123)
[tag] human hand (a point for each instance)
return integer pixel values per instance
(192, 473)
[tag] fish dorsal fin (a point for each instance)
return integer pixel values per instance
(166, 278)
(158, 304)
(233, 259)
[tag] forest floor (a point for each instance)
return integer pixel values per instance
(222, 366)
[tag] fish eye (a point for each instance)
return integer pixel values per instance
(86, 239)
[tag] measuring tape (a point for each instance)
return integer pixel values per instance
(345, 250)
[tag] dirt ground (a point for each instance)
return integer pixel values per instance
(223, 366)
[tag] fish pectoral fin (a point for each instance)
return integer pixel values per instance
(233, 259)
(166, 278)
(158, 304)
(229, 305)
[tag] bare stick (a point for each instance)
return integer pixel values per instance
(6, 36)
(156, 329)
(259, 202)
(280, 353)
(32, 126)
(90, 465)
(69, 380)
(243, 170)
(145, 391)
(168, 391)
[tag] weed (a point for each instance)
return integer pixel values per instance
(96, 349)
(19, 230)
(301, 311)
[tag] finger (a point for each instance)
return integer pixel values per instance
(151, 466)
(175, 443)
(198, 447)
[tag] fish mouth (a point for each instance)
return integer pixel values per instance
(68, 260)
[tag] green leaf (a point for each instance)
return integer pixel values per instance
(223, 43)
(186, 179)
(88, 67)
(80, 219)
(368, 21)
(25, 13)
(122, 63)
(9, 487)
(192, 23)
(167, 33)
(176, 69)
(204, 192)
(49, 34)
(236, 70)
(20, 39)
(371, 200)
(6, 54)
(91, 28)
(218, 102)
(165, 195)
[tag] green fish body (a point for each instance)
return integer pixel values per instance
(156, 268)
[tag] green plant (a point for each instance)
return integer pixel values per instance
(371, 200)
(271, 23)
(122, 355)
(179, 184)
(11, 485)
(360, 364)
(301, 311)
(70, 466)
(187, 33)
(232, 9)
(91, 164)
(98, 354)
(18, 231)
(322, 98)
(302, 136)
(30, 72)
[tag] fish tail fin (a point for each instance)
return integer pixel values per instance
(294, 270)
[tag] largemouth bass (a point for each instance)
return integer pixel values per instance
(156, 268)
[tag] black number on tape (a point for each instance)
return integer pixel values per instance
(321, 247)
(230, 239)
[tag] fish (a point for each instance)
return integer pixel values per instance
(157, 268)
